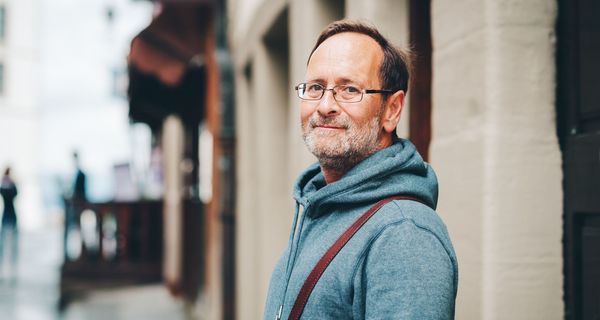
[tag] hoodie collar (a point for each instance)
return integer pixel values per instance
(397, 169)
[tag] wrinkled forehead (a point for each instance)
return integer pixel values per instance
(346, 56)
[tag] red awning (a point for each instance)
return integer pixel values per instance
(174, 39)
(166, 67)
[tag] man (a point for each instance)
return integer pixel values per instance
(79, 188)
(400, 264)
(74, 206)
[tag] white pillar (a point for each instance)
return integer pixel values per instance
(497, 156)
(274, 203)
(247, 265)
(172, 144)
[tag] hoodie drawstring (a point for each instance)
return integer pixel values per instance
(292, 251)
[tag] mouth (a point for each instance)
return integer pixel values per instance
(329, 127)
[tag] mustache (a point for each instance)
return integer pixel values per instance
(317, 120)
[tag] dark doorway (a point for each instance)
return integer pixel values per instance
(578, 101)
(420, 85)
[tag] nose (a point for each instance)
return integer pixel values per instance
(328, 106)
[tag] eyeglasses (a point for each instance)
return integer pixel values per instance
(341, 93)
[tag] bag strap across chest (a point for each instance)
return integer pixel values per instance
(326, 259)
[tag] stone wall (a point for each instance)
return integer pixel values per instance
(494, 144)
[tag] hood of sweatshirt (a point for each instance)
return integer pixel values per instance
(396, 170)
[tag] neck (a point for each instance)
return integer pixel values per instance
(335, 168)
(333, 174)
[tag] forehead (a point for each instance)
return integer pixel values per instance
(346, 56)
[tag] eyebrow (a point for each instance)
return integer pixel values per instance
(339, 81)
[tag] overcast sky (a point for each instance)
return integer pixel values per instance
(80, 51)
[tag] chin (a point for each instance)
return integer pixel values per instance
(326, 149)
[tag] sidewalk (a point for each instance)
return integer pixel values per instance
(31, 292)
(140, 302)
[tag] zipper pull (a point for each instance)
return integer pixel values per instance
(278, 316)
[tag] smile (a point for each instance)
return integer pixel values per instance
(329, 127)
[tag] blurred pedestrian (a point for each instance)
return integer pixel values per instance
(79, 188)
(8, 229)
(74, 206)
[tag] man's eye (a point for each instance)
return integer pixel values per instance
(314, 88)
(350, 90)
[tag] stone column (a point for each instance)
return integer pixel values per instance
(172, 144)
(497, 156)
(246, 211)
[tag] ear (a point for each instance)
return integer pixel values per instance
(393, 109)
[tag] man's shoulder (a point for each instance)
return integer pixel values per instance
(407, 234)
(406, 223)
(400, 210)
(424, 218)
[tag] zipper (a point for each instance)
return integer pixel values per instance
(278, 316)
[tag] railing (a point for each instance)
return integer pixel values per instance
(110, 244)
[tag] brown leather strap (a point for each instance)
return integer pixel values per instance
(326, 259)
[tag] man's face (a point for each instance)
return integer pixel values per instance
(344, 131)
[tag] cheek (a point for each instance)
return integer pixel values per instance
(305, 113)
(362, 115)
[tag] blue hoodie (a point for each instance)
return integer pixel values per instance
(399, 265)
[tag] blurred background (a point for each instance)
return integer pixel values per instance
(152, 148)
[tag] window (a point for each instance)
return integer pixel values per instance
(2, 22)
(120, 81)
(1, 78)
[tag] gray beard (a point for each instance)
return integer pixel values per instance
(342, 153)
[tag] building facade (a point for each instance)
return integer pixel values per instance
(19, 96)
(493, 143)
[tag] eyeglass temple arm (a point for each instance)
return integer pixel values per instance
(379, 91)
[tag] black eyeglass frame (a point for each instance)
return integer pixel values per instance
(363, 92)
